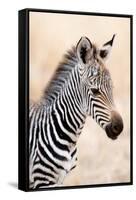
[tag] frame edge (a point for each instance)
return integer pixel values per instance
(23, 173)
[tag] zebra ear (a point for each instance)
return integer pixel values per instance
(106, 49)
(84, 50)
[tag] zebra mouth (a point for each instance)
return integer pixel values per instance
(110, 133)
(115, 127)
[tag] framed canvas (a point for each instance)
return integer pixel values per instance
(75, 99)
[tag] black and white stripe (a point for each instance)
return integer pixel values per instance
(76, 90)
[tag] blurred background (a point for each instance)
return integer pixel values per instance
(100, 160)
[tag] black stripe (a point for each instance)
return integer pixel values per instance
(73, 167)
(61, 134)
(40, 171)
(32, 113)
(54, 153)
(48, 158)
(98, 111)
(45, 131)
(97, 106)
(98, 100)
(67, 113)
(41, 162)
(57, 143)
(102, 117)
(36, 123)
(72, 110)
(64, 122)
(73, 153)
(79, 111)
(76, 80)
(32, 123)
(99, 121)
(38, 178)
(44, 184)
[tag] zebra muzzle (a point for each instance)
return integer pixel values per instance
(115, 127)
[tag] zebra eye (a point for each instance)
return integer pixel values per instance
(95, 91)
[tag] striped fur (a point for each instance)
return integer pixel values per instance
(76, 90)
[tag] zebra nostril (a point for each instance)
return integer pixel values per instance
(109, 132)
(116, 123)
(116, 128)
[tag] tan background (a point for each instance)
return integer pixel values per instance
(100, 160)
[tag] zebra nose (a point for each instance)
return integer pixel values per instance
(115, 127)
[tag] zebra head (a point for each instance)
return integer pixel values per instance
(97, 89)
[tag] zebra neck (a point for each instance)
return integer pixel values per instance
(67, 112)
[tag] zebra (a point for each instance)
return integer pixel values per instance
(81, 87)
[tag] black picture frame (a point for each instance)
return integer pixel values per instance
(23, 146)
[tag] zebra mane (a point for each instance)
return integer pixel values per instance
(61, 75)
